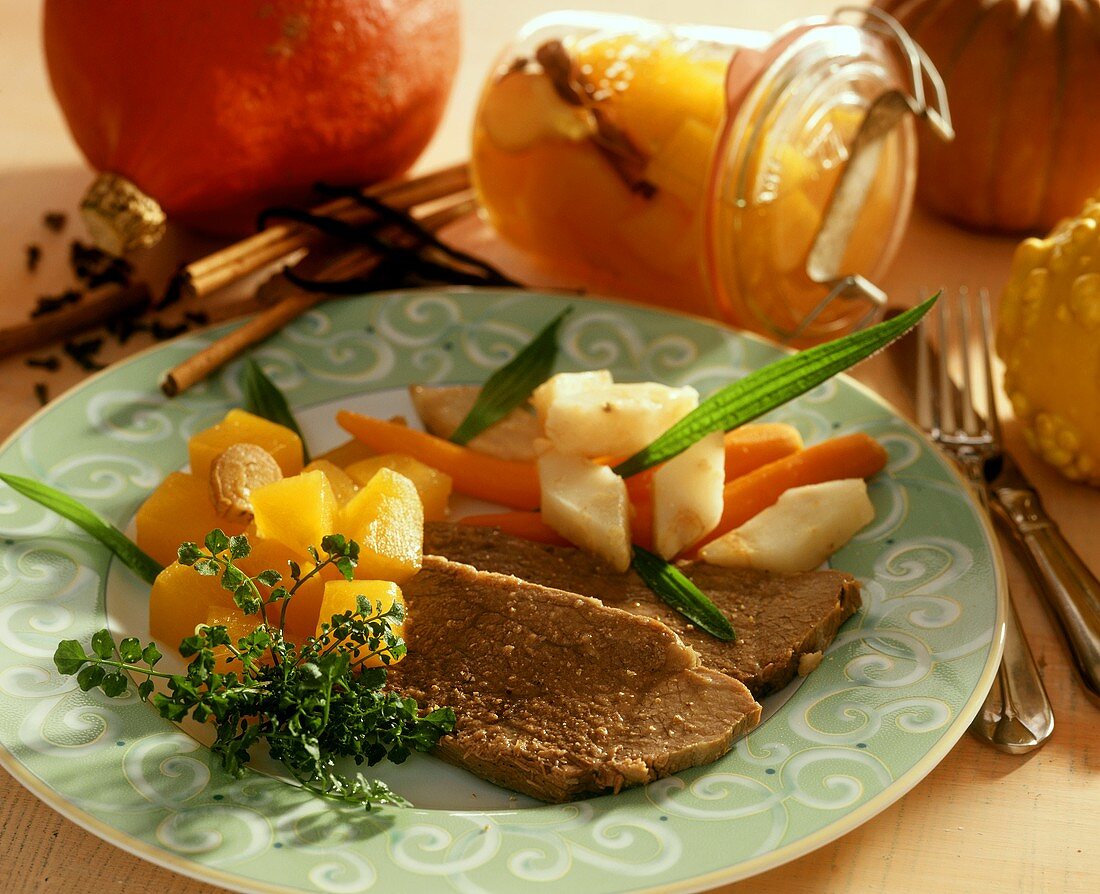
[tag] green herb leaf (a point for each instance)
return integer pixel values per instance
(128, 552)
(129, 649)
(103, 644)
(113, 685)
(512, 384)
(670, 584)
(217, 541)
(90, 677)
(269, 578)
(151, 655)
(263, 398)
(771, 387)
(69, 656)
(188, 553)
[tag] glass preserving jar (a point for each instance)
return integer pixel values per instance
(762, 179)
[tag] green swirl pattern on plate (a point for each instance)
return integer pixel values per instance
(894, 692)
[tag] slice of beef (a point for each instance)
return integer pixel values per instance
(556, 695)
(779, 618)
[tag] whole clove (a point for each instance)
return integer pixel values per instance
(95, 267)
(50, 363)
(55, 220)
(83, 353)
(48, 304)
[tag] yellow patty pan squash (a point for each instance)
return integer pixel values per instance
(1049, 339)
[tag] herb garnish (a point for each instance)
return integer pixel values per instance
(311, 704)
(677, 590)
(263, 398)
(138, 561)
(771, 387)
(509, 386)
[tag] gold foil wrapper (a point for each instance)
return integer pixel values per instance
(120, 217)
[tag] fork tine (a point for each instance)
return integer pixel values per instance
(924, 378)
(971, 424)
(993, 418)
(944, 393)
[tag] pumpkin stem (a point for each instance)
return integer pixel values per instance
(119, 216)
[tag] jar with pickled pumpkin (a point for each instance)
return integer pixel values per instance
(698, 168)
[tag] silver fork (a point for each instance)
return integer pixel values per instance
(1016, 716)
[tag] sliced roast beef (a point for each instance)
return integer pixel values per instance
(557, 695)
(779, 618)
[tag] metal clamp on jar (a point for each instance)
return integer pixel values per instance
(762, 179)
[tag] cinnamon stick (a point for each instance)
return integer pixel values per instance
(98, 306)
(230, 264)
(355, 262)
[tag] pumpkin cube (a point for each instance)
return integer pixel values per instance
(433, 486)
(237, 624)
(301, 611)
(181, 599)
(386, 517)
(241, 427)
(296, 511)
(343, 455)
(342, 596)
(304, 607)
(177, 511)
(343, 485)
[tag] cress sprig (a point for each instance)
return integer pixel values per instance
(311, 704)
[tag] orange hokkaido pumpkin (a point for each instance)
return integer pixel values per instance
(1022, 80)
(218, 108)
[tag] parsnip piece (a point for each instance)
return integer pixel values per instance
(687, 495)
(615, 419)
(564, 384)
(799, 532)
(587, 504)
(443, 407)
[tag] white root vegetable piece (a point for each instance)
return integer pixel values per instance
(566, 383)
(615, 419)
(522, 109)
(587, 504)
(687, 495)
(799, 532)
(443, 407)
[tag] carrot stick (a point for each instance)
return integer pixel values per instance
(641, 524)
(757, 444)
(850, 456)
(528, 525)
(508, 482)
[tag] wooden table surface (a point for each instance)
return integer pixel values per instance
(980, 820)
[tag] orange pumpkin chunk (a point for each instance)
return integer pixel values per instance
(177, 511)
(241, 427)
(433, 486)
(236, 624)
(342, 596)
(181, 600)
(296, 511)
(343, 485)
(343, 455)
(386, 517)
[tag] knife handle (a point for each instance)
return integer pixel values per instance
(1071, 589)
